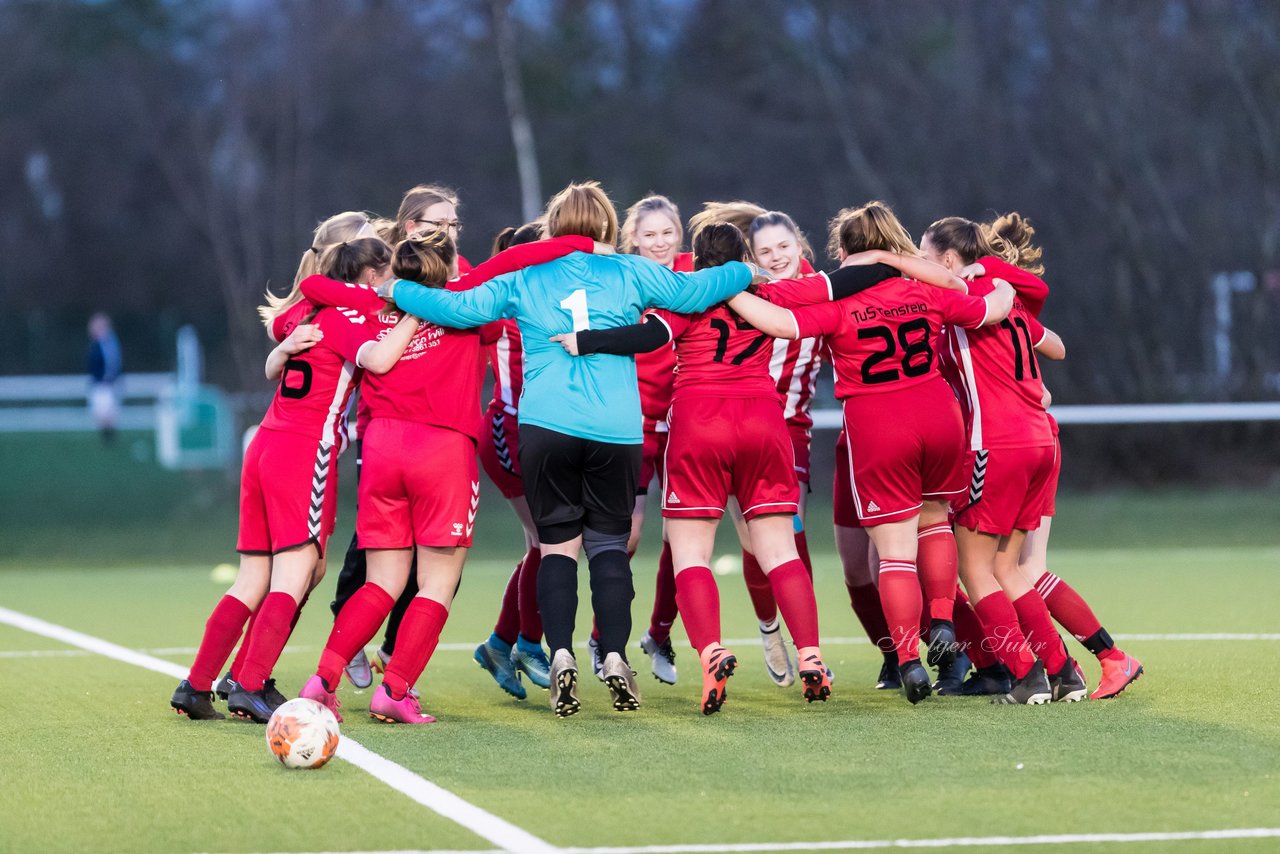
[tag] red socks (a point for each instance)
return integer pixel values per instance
(1043, 639)
(355, 625)
(1067, 607)
(970, 634)
(699, 601)
(508, 625)
(420, 632)
(793, 591)
(937, 562)
(665, 601)
(865, 599)
(530, 616)
(221, 631)
(1000, 625)
(902, 602)
(270, 633)
(802, 549)
(759, 589)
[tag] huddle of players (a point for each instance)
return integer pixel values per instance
(724, 393)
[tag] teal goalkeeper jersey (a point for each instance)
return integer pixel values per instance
(592, 397)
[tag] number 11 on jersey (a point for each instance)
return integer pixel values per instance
(576, 304)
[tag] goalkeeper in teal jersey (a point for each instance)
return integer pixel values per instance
(580, 420)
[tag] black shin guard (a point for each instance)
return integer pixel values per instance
(611, 595)
(558, 599)
(1098, 642)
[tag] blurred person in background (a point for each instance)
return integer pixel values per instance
(105, 364)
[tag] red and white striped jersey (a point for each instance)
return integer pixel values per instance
(501, 340)
(794, 368)
(317, 383)
(997, 379)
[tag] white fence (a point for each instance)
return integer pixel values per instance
(58, 403)
(1132, 413)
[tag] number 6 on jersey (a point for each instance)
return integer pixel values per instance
(576, 304)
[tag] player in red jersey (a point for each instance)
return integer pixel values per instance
(288, 488)
(1065, 604)
(905, 433)
(781, 249)
(347, 225)
(515, 644)
(421, 412)
(1011, 456)
(652, 229)
(426, 207)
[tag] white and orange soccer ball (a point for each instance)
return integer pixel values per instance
(302, 734)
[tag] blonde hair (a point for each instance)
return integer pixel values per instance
(426, 258)
(348, 225)
(966, 238)
(415, 204)
(872, 226)
(1015, 232)
(583, 209)
(739, 214)
(641, 209)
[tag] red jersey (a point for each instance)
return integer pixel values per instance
(719, 353)
(656, 370)
(317, 383)
(1030, 288)
(883, 339)
(1000, 390)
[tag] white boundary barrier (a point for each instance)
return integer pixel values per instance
(58, 403)
(1127, 413)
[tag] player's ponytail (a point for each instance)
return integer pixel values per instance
(1015, 232)
(426, 258)
(512, 236)
(872, 226)
(966, 238)
(716, 244)
(348, 225)
(345, 261)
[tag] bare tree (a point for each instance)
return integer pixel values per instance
(517, 112)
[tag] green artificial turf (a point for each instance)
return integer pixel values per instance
(93, 759)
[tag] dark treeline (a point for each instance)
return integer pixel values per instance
(165, 161)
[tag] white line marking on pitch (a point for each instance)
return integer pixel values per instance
(871, 844)
(468, 647)
(484, 824)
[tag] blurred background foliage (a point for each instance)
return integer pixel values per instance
(166, 161)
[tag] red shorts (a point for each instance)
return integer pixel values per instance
(800, 442)
(500, 450)
(1051, 492)
(903, 447)
(288, 492)
(1008, 489)
(419, 485)
(651, 465)
(843, 513)
(722, 446)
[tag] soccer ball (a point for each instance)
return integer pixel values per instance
(302, 734)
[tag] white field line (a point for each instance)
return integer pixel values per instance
(468, 647)
(484, 824)
(873, 844)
